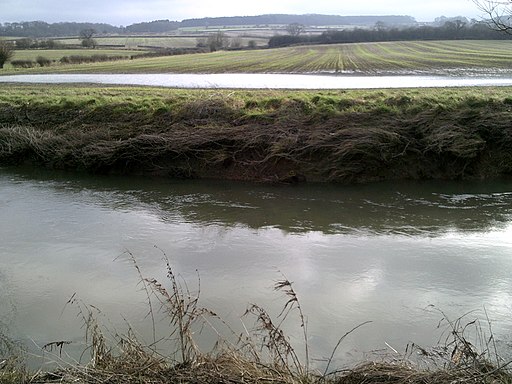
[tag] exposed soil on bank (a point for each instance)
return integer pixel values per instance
(269, 136)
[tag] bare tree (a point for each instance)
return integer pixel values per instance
(499, 13)
(24, 43)
(217, 40)
(6, 52)
(236, 42)
(86, 35)
(295, 29)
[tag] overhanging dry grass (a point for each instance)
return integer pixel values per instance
(278, 136)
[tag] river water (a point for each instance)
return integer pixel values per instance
(274, 81)
(396, 254)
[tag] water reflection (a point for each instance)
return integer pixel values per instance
(383, 252)
(400, 208)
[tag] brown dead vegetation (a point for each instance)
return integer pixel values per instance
(285, 138)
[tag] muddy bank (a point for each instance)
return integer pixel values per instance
(271, 136)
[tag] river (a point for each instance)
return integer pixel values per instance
(274, 81)
(396, 254)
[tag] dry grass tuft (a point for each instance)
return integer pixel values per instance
(404, 373)
(12, 362)
(263, 354)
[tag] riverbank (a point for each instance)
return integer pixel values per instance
(269, 136)
(231, 368)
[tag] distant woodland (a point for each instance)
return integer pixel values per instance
(335, 29)
(450, 30)
(42, 29)
(308, 20)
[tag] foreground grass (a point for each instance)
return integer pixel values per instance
(401, 57)
(262, 353)
(337, 136)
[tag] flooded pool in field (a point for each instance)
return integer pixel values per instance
(395, 254)
(272, 81)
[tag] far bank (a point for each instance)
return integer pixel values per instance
(269, 136)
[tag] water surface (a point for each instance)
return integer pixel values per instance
(271, 81)
(395, 254)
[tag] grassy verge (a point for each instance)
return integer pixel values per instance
(411, 56)
(337, 136)
(262, 353)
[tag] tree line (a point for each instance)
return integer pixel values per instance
(285, 19)
(450, 30)
(41, 29)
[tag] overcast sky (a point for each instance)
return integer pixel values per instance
(125, 12)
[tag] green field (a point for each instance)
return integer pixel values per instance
(135, 42)
(364, 58)
(57, 54)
